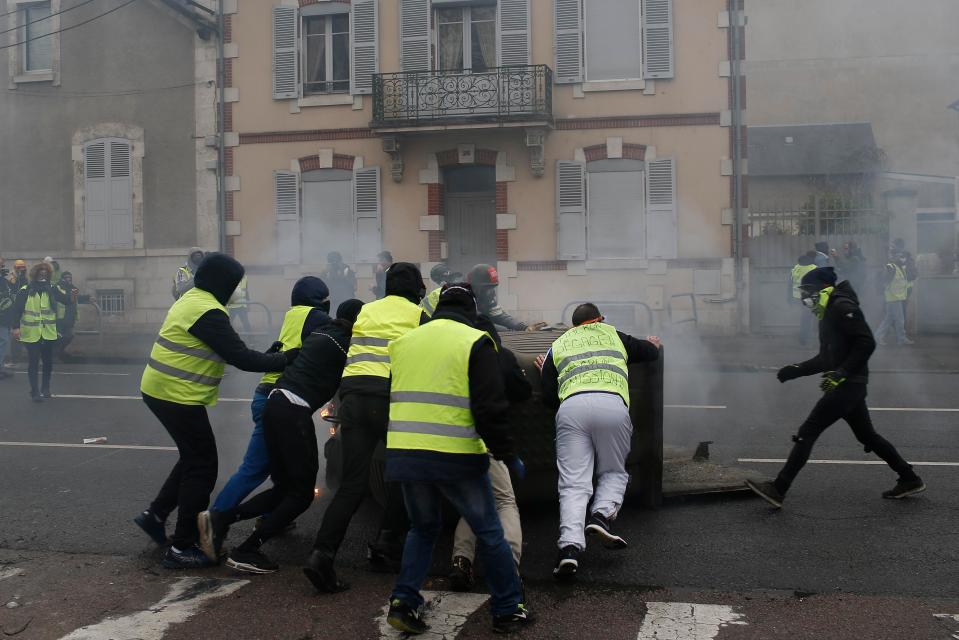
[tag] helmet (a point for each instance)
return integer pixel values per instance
(20, 264)
(441, 273)
(483, 275)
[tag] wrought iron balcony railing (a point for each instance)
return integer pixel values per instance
(519, 93)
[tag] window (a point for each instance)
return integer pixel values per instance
(616, 209)
(110, 302)
(613, 43)
(466, 39)
(36, 50)
(108, 194)
(326, 51)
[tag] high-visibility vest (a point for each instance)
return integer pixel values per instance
(798, 272)
(183, 271)
(291, 335)
(429, 302)
(898, 289)
(39, 321)
(182, 368)
(240, 296)
(429, 392)
(591, 357)
(378, 324)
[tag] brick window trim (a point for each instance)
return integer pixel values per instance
(340, 161)
(630, 152)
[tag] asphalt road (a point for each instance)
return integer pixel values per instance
(838, 562)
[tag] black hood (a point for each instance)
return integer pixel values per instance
(457, 303)
(405, 280)
(844, 290)
(310, 291)
(218, 274)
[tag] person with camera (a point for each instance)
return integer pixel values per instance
(35, 317)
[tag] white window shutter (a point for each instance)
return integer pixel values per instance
(661, 232)
(96, 195)
(367, 213)
(365, 60)
(286, 204)
(512, 32)
(658, 58)
(415, 35)
(120, 211)
(570, 210)
(568, 27)
(285, 58)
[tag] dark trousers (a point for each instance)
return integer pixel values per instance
(848, 403)
(294, 463)
(35, 352)
(364, 421)
(192, 479)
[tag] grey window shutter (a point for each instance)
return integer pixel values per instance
(616, 216)
(658, 38)
(568, 27)
(415, 35)
(368, 213)
(661, 233)
(286, 203)
(285, 58)
(513, 32)
(364, 30)
(96, 195)
(120, 210)
(570, 210)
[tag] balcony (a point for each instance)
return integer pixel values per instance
(518, 96)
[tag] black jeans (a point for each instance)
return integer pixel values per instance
(192, 479)
(848, 403)
(294, 462)
(35, 352)
(364, 421)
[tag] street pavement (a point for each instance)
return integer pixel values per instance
(837, 562)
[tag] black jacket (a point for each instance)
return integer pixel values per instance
(845, 339)
(637, 350)
(311, 292)
(316, 372)
(518, 388)
(8, 296)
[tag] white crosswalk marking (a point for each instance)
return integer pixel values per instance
(445, 611)
(686, 621)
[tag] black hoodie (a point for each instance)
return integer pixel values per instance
(310, 291)
(845, 339)
(220, 274)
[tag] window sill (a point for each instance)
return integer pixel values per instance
(617, 263)
(325, 100)
(46, 76)
(614, 85)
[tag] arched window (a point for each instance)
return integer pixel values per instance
(107, 194)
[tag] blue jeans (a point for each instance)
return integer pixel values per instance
(256, 463)
(473, 499)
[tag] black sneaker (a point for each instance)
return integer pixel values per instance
(513, 622)
(905, 488)
(251, 562)
(319, 570)
(383, 560)
(36, 397)
(566, 563)
(192, 558)
(768, 492)
(598, 525)
(213, 529)
(46, 395)
(461, 574)
(405, 618)
(152, 526)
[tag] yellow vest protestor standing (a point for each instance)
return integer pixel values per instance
(35, 314)
(895, 293)
(586, 375)
(181, 379)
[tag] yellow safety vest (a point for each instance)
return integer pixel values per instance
(39, 321)
(798, 272)
(429, 302)
(591, 357)
(182, 368)
(429, 392)
(240, 297)
(291, 335)
(898, 289)
(378, 324)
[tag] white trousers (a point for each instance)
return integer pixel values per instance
(593, 433)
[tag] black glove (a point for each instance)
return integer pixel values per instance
(789, 372)
(275, 347)
(291, 355)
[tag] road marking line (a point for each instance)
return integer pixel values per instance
(446, 613)
(181, 603)
(694, 406)
(68, 396)
(918, 409)
(73, 445)
(782, 460)
(686, 621)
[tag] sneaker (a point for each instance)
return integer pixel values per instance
(768, 492)
(251, 562)
(461, 574)
(383, 560)
(152, 526)
(907, 341)
(513, 622)
(192, 558)
(598, 525)
(882, 342)
(36, 397)
(405, 618)
(319, 570)
(46, 395)
(213, 529)
(566, 563)
(905, 488)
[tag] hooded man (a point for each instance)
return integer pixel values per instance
(340, 278)
(181, 379)
(845, 346)
(183, 280)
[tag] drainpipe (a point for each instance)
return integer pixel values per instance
(220, 128)
(735, 20)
